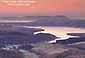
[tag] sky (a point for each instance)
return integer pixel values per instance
(43, 7)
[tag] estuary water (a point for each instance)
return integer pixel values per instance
(58, 31)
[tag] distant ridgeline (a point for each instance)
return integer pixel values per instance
(59, 20)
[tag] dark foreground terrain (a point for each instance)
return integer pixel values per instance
(45, 50)
(37, 46)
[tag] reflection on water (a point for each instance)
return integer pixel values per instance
(59, 31)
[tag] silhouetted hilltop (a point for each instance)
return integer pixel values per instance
(58, 20)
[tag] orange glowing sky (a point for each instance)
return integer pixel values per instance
(47, 7)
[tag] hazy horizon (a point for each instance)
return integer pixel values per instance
(72, 8)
